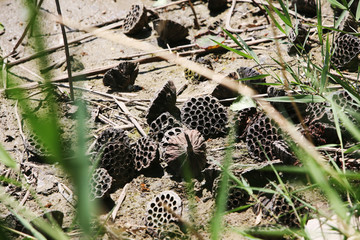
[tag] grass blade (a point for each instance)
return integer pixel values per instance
(6, 159)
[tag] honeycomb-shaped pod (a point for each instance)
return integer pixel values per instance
(186, 147)
(118, 159)
(243, 119)
(163, 209)
(36, 146)
(237, 197)
(275, 92)
(146, 153)
(135, 20)
(260, 135)
(170, 31)
(206, 115)
(111, 135)
(194, 76)
(100, 184)
(345, 101)
(246, 72)
(347, 48)
(121, 77)
(164, 101)
(165, 140)
(162, 124)
(298, 35)
(276, 206)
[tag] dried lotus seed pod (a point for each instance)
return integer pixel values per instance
(135, 20)
(100, 184)
(163, 209)
(205, 114)
(187, 149)
(121, 77)
(164, 101)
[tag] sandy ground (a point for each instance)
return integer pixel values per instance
(94, 53)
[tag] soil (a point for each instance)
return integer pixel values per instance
(94, 53)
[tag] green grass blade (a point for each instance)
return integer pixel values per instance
(319, 21)
(248, 50)
(357, 15)
(234, 50)
(274, 20)
(216, 225)
(325, 70)
(28, 226)
(297, 98)
(6, 159)
(337, 4)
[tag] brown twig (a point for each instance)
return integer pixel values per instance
(131, 118)
(67, 54)
(196, 23)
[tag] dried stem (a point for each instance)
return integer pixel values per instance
(196, 23)
(67, 54)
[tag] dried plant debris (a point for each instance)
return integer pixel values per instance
(194, 77)
(162, 210)
(164, 101)
(185, 151)
(122, 77)
(260, 135)
(247, 72)
(100, 184)
(205, 114)
(347, 49)
(170, 31)
(162, 124)
(117, 157)
(277, 206)
(243, 119)
(146, 153)
(135, 20)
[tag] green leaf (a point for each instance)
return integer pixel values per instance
(337, 4)
(249, 50)
(27, 225)
(283, 17)
(2, 29)
(353, 148)
(242, 102)
(6, 159)
(208, 41)
(297, 98)
(235, 50)
(357, 16)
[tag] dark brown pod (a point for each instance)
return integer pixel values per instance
(170, 31)
(136, 19)
(121, 77)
